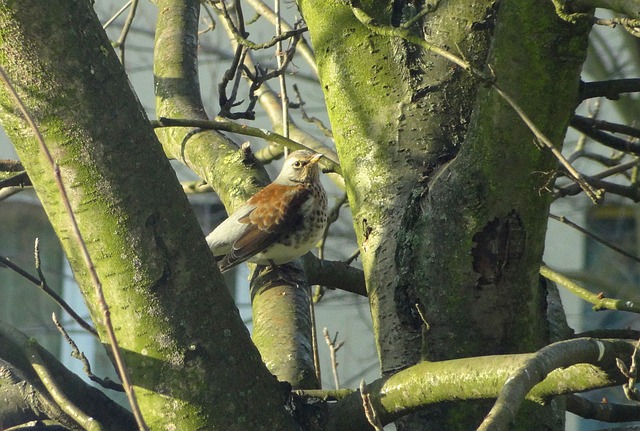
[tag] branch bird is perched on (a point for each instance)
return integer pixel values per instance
(278, 224)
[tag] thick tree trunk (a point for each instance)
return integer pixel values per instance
(449, 207)
(189, 370)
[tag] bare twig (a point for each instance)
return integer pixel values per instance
(606, 139)
(333, 349)
(605, 125)
(117, 14)
(126, 28)
(595, 237)
(241, 37)
(46, 289)
(579, 150)
(280, 59)
(631, 373)
(631, 192)
(86, 367)
(369, 412)
(328, 161)
(353, 257)
(84, 251)
(629, 24)
(303, 46)
(595, 195)
(300, 105)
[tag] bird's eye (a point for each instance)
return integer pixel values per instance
(297, 164)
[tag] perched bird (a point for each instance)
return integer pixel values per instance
(278, 224)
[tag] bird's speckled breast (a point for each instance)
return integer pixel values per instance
(300, 240)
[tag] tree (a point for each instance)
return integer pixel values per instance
(435, 112)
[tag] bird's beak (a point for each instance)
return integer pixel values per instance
(316, 157)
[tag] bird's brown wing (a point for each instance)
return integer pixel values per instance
(277, 209)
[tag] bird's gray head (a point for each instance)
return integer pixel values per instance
(300, 167)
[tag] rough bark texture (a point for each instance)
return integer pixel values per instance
(189, 370)
(395, 122)
(449, 207)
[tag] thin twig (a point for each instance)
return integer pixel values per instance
(604, 138)
(630, 24)
(86, 367)
(328, 161)
(46, 289)
(333, 349)
(631, 373)
(595, 195)
(630, 192)
(593, 236)
(242, 38)
(353, 257)
(303, 46)
(314, 334)
(314, 120)
(606, 125)
(427, 8)
(122, 370)
(117, 14)
(334, 212)
(369, 411)
(125, 29)
(594, 110)
(281, 78)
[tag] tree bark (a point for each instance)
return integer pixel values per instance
(184, 343)
(235, 175)
(446, 185)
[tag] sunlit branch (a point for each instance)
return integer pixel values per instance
(228, 126)
(598, 300)
(535, 369)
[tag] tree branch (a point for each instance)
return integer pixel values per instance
(89, 399)
(427, 383)
(610, 89)
(606, 139)
(334, 275)
(626, 7)
(536, 368)
(604, 412)
(328, 161)
(598, 300)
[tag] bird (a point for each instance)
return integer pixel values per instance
(279, 223)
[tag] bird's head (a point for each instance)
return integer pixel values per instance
(300, 167)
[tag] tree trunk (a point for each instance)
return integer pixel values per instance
(445, 182)
(184, 343)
